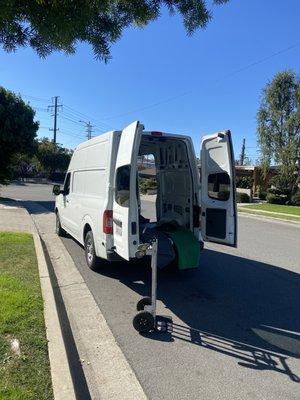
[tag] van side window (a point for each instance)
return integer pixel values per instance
(219, 186)
(122, 193)
(67, 184)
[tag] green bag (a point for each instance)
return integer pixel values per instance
(187, 247)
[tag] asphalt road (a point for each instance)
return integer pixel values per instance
(236, 320)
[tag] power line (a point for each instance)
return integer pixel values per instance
(167, 100)
(35, 98)
(77, 114)
(71, 120)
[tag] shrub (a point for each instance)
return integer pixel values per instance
(279, 191)
(242, 197)
(295, 200)
(244, 182)
(147, 183)
(274, 191)
(276, 198)
(262, 194)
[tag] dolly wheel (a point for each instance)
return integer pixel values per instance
(145, 301)
(143, 322)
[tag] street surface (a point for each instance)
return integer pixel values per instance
(236, 332)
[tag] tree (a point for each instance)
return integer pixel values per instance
(278, 128)
(48, 25)
(52, 157)
(17, 131)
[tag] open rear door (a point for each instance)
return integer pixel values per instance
(125, 206)
(218, 205)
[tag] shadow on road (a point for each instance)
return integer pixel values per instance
(45, 206)
(238, 307)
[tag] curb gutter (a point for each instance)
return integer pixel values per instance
(62, 383)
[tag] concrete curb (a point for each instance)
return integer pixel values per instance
(62, 383)
(107, 373)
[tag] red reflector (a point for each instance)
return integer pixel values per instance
(157, 134)
(108, 222)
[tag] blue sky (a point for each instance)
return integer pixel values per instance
(167, 80)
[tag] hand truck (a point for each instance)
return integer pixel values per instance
(146, 319)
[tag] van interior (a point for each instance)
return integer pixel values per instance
(163, 167)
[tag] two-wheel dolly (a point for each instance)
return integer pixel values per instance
(146, 320)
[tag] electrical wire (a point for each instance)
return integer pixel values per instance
(167, 100)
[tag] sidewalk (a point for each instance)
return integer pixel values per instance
(13, 217)
(98, 367)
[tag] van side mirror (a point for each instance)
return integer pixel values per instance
(56, 190)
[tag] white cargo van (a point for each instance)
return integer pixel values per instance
(99, 204)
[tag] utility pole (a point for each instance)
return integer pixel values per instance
(89, 130)
(55, 107)
(242, 156)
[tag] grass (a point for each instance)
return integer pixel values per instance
(276, 208)
(246, 210)
(25, 376)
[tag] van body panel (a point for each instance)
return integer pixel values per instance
(218, 204)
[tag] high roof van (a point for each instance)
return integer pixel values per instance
(100, 202)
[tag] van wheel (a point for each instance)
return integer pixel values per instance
(90, 253)
(58, 229)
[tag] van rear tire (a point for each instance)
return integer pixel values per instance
(90, 253)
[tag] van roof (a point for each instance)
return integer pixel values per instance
(97, 139)
(104, 136)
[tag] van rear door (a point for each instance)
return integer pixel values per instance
(125, 206)
(218, 205)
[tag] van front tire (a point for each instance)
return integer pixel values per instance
(58, 229)
(90, 253)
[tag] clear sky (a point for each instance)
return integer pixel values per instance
(165, 79)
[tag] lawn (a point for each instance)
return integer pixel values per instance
(24, 376)
(276, 208)
(245, 210)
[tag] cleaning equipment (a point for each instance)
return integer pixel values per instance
(146, 319)
(187, 247)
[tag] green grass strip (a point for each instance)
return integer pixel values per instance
(25, 376)
(276, 208)
(246, 210)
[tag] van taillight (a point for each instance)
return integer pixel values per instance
(108, 222)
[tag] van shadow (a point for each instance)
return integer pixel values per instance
(238, 307)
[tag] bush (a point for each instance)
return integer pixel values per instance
(276, 198)
(262, 194)
(244, 182)
(274, 191)
(295, 200)
(147, 183)
(242, 197)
